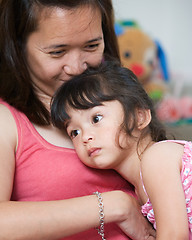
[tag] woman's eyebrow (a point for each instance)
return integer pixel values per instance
(55, 46)
(95, 39)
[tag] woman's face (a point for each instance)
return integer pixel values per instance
(65, 43)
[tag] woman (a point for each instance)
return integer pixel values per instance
(42, 45)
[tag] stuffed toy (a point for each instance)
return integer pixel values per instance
(145, 57)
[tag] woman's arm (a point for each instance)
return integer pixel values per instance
(161, 166)
(56, 219)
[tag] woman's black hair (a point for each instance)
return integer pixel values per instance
(110, 81)
(20, 18)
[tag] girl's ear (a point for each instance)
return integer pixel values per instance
(143, 118)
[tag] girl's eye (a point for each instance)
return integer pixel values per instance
(74, 133)
(97, 118)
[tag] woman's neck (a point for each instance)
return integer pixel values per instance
(46, 100)
(43, 96)
(50, 133)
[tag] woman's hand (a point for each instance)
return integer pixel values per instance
(128, 216)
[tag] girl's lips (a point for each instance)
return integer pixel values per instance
(93, 151)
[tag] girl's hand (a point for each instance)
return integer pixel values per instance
(135, 225)
(129, 217)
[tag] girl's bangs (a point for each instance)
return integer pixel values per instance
(87, 95)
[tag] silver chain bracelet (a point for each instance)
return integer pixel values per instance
(101, 215)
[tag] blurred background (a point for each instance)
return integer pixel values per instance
(168, 24)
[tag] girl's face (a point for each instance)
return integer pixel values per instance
(64, 44)
(95, 134)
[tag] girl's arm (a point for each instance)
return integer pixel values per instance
(161, 166)
(57, 219)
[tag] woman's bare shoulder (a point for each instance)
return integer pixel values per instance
(8, 128)
(8, 144)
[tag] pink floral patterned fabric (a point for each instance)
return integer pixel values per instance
(186, 178)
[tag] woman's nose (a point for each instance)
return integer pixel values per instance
(75, 65)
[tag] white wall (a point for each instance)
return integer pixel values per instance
(169, 22)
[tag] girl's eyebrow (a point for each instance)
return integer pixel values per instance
(55, 46)
(67, 123)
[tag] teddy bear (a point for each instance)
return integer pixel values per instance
(144, 56)
(147, 59)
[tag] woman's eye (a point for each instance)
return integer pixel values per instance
(97, 118)
(57, 53)
(74, 133)
(92, 46)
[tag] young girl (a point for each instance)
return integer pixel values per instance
(112, 123)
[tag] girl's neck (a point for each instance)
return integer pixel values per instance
(130, 167)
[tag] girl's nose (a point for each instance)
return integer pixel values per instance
(87, 138)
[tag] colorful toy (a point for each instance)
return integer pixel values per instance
(147, 59)
(144, 56)
(175, 110)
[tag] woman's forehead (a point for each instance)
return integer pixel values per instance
(76, 24)
(81, 16)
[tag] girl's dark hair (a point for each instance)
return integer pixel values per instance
(108, 82)
(18, 19)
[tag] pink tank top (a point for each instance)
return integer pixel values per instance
(46, 172)
(186, 179)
